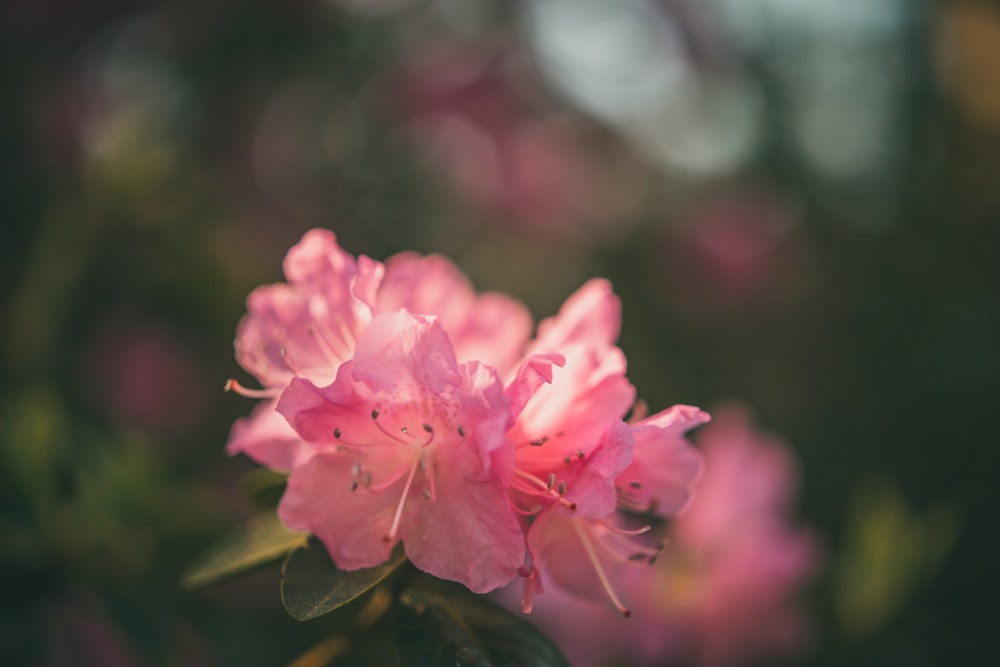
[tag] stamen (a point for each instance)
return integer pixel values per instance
(599, 569)
(391, 479)
(429, 472)
(624, 531)
(345, 333)
(325, 347)
(284, 357)
(540, 488)
(430, 434)
(391, 535)
(375, 414)
(234, 385)
(523, 512)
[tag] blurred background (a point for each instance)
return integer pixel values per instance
(797, 201)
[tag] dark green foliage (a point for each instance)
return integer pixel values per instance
(311, 585)
(443, 624)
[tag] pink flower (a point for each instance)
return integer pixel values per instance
(408, 445)
(408, 408)
(720, 592)
(310, 325)
(571, 446)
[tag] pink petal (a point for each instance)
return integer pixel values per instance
(592, 487)
(665, 466)
(352, 525)
(272, 339)
(588, 393)
(535, 371)
(336, 287)
(340, 412)
(486, 417)
(267, 438)
(468, 534)
(491, 328)
(591, 316)
(400, 351)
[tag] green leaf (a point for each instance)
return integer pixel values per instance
(263, 487)
(260, 540)
(441, 624)
(311, 585)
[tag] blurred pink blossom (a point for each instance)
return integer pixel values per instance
(737, 249)
(722, 591)
(148, 376)
(473, 111)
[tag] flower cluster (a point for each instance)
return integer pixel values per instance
(407, 407)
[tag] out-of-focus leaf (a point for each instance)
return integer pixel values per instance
(439, 624)
(890, 551)
(263, 487)
(260, 540)
(311, 585)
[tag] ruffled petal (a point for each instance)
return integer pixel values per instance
(267, 438)
(535, 371)
(591, 317)
(352, 525)
(273, 340)
(491, 328)
(467, 534)
(586, 395)
(665, 465)
(400, 352)
(337, 288)
(591, 488)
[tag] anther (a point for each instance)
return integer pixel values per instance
(537, 443)
(336, 433)
(638, 555)
(355, 469)
(635, 485)
(579, 453)
(427, 427)
(368, 479)
(562, 488)
(374, 413)
(233, 385)
(461, 431)
(354, 485)
(566, 460)
(552, 481)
